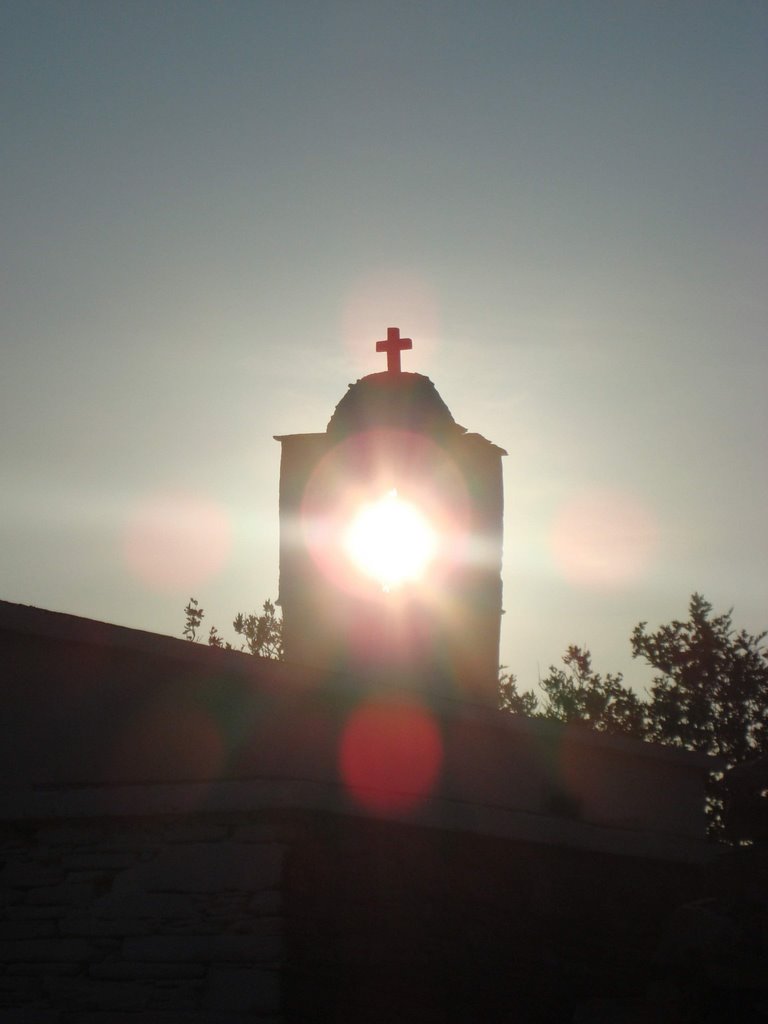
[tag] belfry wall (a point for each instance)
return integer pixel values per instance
(393, 431)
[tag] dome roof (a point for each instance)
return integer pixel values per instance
(395, 401)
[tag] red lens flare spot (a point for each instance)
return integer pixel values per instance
(390, 755)
(603, 539)
(177, 542)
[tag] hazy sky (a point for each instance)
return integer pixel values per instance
(211, 212)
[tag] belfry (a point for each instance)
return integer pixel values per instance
(391, 539)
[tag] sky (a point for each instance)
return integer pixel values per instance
(211, 212)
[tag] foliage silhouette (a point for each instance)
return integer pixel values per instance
(510, 698)
(710, 693)
(262, 634)
(579, 694)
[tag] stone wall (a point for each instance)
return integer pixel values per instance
(178, 918)
(182, 844)
(200, 918)
(394, 923)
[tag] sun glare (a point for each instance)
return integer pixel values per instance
(390, 541)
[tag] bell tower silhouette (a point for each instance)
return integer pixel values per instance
(392, 439)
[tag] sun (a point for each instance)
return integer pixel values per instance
(390, 541)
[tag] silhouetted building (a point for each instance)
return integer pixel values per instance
(203, 837)
(393, 433)
(197, 836)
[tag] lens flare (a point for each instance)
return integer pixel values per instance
(175, 542)
(604, 539)
(390, 541)
(382, 509)
(390, 755)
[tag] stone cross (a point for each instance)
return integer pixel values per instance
(393, 346)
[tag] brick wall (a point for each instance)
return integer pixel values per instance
(180, 845)
(203, 918)
(179, 919)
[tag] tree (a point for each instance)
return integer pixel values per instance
(579, 695)
(583, 695)
(711, 691)
(510, 699)
(710, 694)
(262, 634)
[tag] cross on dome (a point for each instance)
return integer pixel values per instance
(393, 346)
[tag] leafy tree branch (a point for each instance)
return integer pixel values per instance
(262, 635)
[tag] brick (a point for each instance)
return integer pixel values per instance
(136, 839)
(136, 904)
(205, 948)
(25, 913)
(100, 878)
(99, 859)
(258, 833)
(196, 832)
(126, 969)
(9, 833)
(155, 1017)
(162, 1016)
(40, 970)
(107, 995)
(87, 926)
(26, 874)
(44, 949)
(173, 904)
(242, 988)
(35, 1015)
(68, 893)
(177, 999)
(16, 990)
(268, 902)
(208, 867)
(10, 896)
(32, 928)
(69, 835)
(196, 926)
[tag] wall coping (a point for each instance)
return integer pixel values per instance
(32, 621)
(59, 804)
